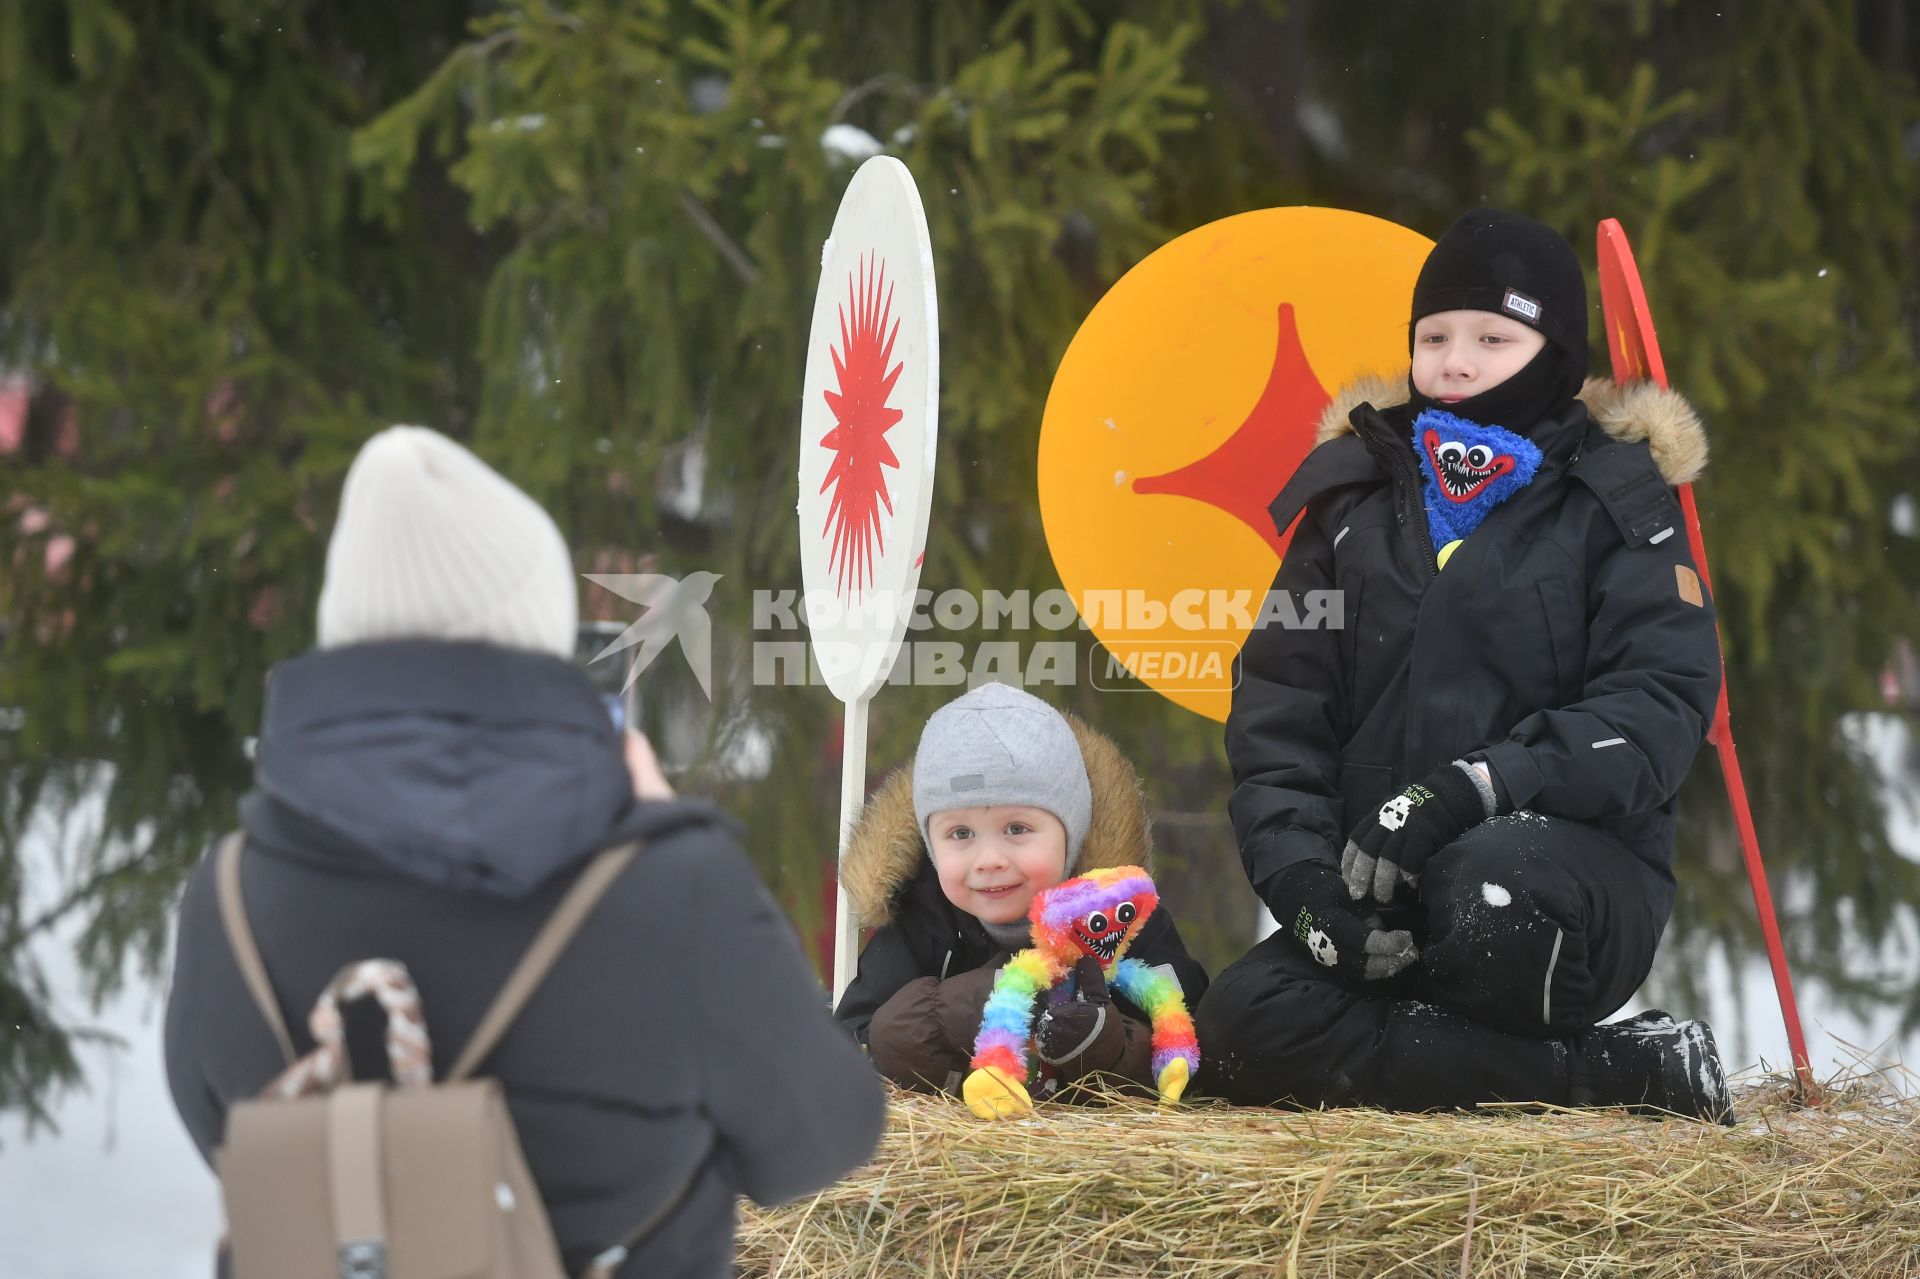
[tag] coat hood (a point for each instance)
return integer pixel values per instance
(1632, 413)
(887, 846)
(470, 767)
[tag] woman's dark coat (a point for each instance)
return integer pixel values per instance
(430, 803)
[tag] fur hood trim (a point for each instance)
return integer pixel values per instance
(1632, 413)
(887, 846)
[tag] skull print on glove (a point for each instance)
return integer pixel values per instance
(1392, 847)
(1312, 906)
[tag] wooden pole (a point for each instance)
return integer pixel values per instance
(853, 793)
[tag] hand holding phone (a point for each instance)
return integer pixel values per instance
(648, 781)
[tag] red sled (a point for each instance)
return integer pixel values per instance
(1635, 352)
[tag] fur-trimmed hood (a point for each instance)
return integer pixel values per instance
(1632, 413)
(888, 846)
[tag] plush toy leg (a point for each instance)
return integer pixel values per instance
(992, 1093)
(1173, 1079)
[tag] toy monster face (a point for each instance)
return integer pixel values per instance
(1102, 932)
(1464, 468)
(1098, 914)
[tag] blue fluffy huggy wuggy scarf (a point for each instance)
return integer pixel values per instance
(1467, 469)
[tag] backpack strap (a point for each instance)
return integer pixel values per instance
(233, 913)
(356, 1178)
(559, 929)
(608, 1263)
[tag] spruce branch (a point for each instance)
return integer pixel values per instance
(729, 249)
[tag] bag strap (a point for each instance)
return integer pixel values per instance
(608, 1263)
(233, 913)
(357, 1180)
(540, 956)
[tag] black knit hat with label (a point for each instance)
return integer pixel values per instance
(1492, 260)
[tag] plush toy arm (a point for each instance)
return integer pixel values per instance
(997, 1087)
(1176, 1050)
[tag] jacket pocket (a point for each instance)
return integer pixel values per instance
(1363, 788)
(1566, 628)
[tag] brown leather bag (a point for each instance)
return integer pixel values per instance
(373, 1182)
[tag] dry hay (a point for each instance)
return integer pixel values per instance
(1207, 1190)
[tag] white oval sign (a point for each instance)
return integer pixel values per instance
(868, 427)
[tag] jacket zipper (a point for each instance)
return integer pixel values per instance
(1384, 445)
(1411, 475)
(1407, 487)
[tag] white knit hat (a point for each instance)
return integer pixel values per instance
(432, 543)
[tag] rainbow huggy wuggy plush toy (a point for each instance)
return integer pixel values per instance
(1096, 915)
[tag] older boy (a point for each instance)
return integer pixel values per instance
(1460, 805)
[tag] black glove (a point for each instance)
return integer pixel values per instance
(1084, 1033)
(1393, 845)
(1319, 914)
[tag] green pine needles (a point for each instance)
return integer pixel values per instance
(236, 238)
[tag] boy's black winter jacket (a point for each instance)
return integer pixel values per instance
(430, 803)
(1569, 641)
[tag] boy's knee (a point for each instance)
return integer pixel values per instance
(1494, 874)
(1509, 958)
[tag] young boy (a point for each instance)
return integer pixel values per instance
(1459, 805)
(1005, 797)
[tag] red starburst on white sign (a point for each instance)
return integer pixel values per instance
(861, 419)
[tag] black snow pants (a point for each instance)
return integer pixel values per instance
(1530, 928)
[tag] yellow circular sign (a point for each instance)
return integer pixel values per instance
(1185, 401)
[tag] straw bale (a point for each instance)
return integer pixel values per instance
(1126, 1189)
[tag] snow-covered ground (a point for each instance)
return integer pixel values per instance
(119, 1191)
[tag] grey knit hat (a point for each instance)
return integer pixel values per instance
(999, 745)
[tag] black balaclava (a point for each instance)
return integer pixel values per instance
(1492, 260)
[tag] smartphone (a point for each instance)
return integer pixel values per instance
(609, 673)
